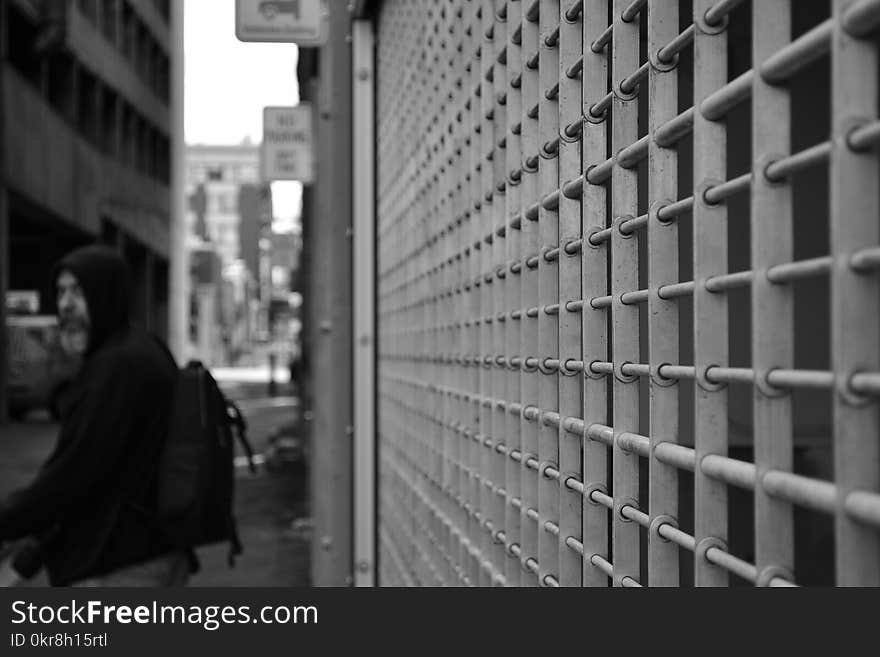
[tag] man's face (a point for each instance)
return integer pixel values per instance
(73, 315)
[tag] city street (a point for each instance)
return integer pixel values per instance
(272, 509)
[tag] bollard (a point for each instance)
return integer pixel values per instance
(272, 386)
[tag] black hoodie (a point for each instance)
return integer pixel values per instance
(92, 500)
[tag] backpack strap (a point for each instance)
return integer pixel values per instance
(235, 546)
(238, 423)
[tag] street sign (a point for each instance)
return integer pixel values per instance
(287, 150)
(303, 22)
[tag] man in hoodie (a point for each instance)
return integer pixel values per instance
(91, 504)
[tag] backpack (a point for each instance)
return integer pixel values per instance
(195, 484)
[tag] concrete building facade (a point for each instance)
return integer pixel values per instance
(229, 212)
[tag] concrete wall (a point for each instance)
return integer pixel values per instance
(57, 169)
(105, 60)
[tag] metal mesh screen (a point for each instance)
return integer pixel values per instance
(628, 292)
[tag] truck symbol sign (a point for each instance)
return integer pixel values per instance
(272, 8)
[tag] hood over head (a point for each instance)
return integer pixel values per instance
(103, 277)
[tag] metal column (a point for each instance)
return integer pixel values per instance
(364, 312)
(4, 223)
(331, 367)
(178, 276)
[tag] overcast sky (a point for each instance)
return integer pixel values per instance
(229, 82)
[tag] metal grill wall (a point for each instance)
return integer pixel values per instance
(628, 292)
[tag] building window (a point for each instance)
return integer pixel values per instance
(87, 110)
(127, 25)
(20, 37)
(60, 87)
(109, 110)
(109, 11)
(89, 9)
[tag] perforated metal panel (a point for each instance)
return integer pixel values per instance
(628, 292)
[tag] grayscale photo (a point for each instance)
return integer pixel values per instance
(438, 293)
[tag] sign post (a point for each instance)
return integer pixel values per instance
(287, 151)
(303, 22)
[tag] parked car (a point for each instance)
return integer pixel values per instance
(272, 8)
(39, 369)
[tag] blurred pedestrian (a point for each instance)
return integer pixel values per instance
(91, 505)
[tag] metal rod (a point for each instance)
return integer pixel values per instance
(865, 383)
(729, 281)
(632, 225)
(733, 564)
(675, 290)
(600, 237)
(785, 167)
(630, 83)
(575, 545)
(631, 442)
(599, 108)
(677, 536)
(718, 12)
(717, 375)
(717, 104)
(804, 491)
(676, 371)
(637, 516)
(798, 54)
(634, 298)
(551, 202)
(799, 270)
(573, 247)
(730, 471)
(864, 137)
(675, 129)
(632, 10)
(533, 12)
(602, 499)
(673, 210)
(722, 192)
(600, 173)
(800, 379)
(667, 53)
(630, 156)
(861, 18)
(602, 40)
(573, 188)
(601, 433)
(675, 455)
(602, 564)
(575, 11)
(864, 506)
